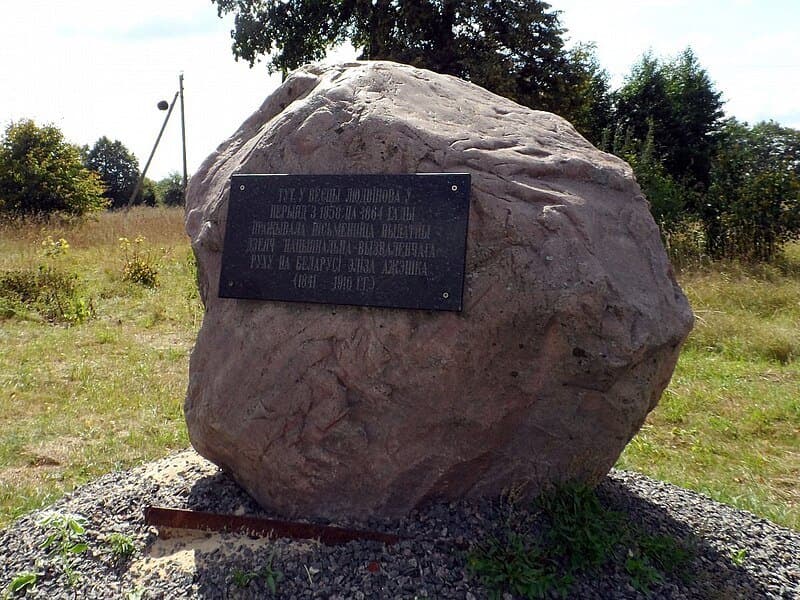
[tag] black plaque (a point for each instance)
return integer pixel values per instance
(369, 240)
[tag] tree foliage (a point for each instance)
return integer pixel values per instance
(734, 184)
(739, 183)
(754, 202)
(674, 107)
(148, 193)
(668, 198)
(515, 48)
(666, 122)
(170, 190)
(593, 110)
(117, 167)
(41, 174)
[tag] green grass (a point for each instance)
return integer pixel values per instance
(576, 535)
(105, 394)
(729, 423)
(77, 401)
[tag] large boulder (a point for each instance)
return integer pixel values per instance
(571, 327)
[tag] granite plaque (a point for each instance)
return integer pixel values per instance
(394, 241)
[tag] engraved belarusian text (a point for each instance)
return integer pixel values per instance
(347, 238)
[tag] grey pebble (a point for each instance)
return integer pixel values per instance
(420, 567)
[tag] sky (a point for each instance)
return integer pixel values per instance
(98, 67)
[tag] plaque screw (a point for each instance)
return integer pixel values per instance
(454, 188)
(241, 187)
(446, 295)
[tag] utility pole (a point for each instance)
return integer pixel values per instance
(162, 106)
(183, 134)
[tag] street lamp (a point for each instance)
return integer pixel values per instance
(164, 105)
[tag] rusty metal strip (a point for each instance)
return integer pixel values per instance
(257, 526)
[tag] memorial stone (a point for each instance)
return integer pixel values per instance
(569, 330)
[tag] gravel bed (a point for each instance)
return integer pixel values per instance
(185, 564)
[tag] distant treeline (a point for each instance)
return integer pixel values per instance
(718, 187)
(41, 174)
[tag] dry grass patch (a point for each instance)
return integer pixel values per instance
(159, 225)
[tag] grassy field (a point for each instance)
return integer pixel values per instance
(82, 400)
(729, 423)
(79, 400)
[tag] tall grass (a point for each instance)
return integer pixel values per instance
(729, 423)
(102, 230)
(78, 401)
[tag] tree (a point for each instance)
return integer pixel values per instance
(593, 112)
(644, 112)
(42, 174)
(170, 190)
(777, 145)
(754, 201)
(667, 121)
(668, 199)
(117, 167)
(148, 194)
(674, 103)
(514, 48)
(699, 116)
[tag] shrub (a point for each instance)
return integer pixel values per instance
(140, 267)
(42, 174)
(169, 191)
(48, 290)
